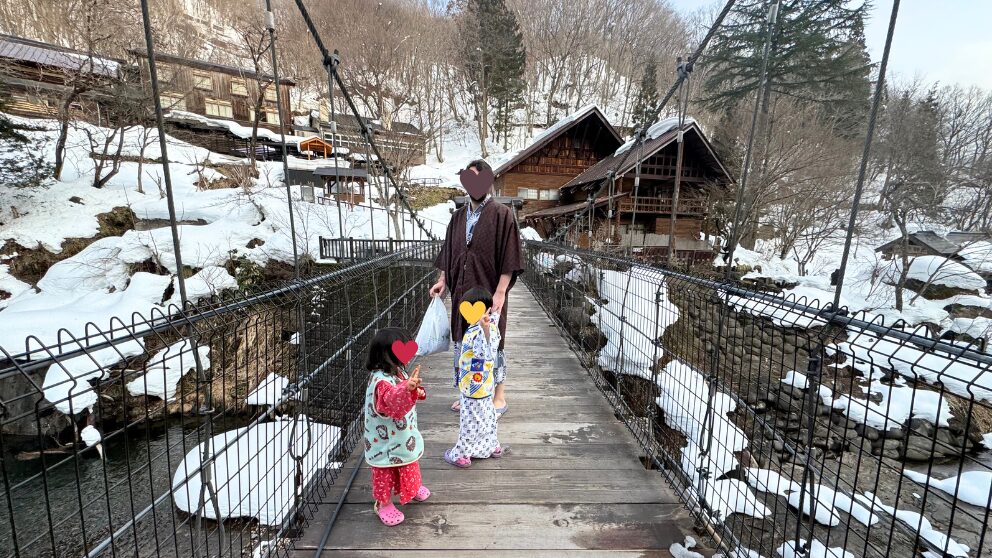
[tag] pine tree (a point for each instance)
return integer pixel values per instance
(647, 96)
(494, 59)
(814, 54)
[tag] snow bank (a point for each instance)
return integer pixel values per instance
(973, 487)
(633, 317)
(67, 384)
(166, 368)
(919, 524)
(269, 390)
(939, 271)
(793, 549)
(243, 132)
(254, 476)
(209, 281)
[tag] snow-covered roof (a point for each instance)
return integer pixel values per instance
(555, 130)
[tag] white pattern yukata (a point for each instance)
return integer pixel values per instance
(474, 377)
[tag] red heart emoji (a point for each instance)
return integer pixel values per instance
(404, 351)
(477, 185)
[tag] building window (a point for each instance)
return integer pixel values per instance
(202, 80)
(165, 73)
(173, 102)
(270, 93)
(239, 87)
(272, 117)
(219, 108)
(528, 193)
(549, 194)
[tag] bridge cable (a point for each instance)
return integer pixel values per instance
(366, 131)
(641, 134)
(866, 152)
(270, 24)
(735, 231)
(203, 378)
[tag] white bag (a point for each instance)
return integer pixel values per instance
(435, 331)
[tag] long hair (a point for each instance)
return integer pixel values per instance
(476, 294)
(381, 355)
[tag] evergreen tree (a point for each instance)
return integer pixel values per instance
(647, 96)
(494, 59)
(814, 54)
(20, 163)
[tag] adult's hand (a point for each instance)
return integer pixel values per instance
(438, 288)
(499, 299)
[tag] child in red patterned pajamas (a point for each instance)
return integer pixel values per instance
(393, 445)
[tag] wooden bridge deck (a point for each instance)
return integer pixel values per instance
(572, 483)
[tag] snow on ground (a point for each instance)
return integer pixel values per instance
(218, 225)
(919, 524)
(937, 270)
(166, 368)
(90, 435)
(680, 550)
(829, 502)
(253, 469)
(973, 487)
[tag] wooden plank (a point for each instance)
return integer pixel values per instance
(405, 553)
(481, 486)
(436, 526)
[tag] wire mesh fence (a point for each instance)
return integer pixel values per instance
(209, 431)
(788, 429)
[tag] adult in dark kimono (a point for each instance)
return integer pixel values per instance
(481, 249)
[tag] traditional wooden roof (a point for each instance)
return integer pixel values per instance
(557, 129)
(600, 170)
(209, 66)
(44, 54)
(930, 240)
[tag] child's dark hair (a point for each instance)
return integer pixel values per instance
(477, 294)
(381, 355)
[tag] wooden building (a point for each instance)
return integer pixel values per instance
(555, 157)
(641, 218)
(40, 77)
(217, 90)
(402, 144)
(343, 184)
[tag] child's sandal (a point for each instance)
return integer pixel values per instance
(499, 452)
(389, 515)
(422, 494)
(462, 462)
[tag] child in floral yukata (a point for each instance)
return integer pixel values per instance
(474, 378)
(393, 445)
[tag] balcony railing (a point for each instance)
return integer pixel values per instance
(687, 206)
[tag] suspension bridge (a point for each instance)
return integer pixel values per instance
(646, 406)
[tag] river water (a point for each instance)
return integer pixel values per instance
(65, 504)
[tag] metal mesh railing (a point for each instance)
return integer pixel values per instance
(787, 429)
(109, 445)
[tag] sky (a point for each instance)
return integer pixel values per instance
(949, 41)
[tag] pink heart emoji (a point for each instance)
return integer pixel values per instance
(404, 351)
(477, 185)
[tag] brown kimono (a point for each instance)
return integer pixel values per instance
(494, 251)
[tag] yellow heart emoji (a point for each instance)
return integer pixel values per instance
(472, 312)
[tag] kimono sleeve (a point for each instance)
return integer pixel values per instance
(511, 255)
(443, 259)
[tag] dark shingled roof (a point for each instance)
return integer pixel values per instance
(929, 239)
(26, 50)
(599, 171)
(576, 119)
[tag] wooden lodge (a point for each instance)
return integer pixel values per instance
(343, 184)
(39, 77)
(555, 157)
(642, 218)
(402, 144)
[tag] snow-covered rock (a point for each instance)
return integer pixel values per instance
(166, 368)
(269, 391)
(938, 271)
(253, 469)
(67, 383)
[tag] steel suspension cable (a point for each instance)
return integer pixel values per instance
(735, 230)
(866, 152)
(270, 24)
(366, 131)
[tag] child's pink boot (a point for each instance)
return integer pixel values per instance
(389, 515)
